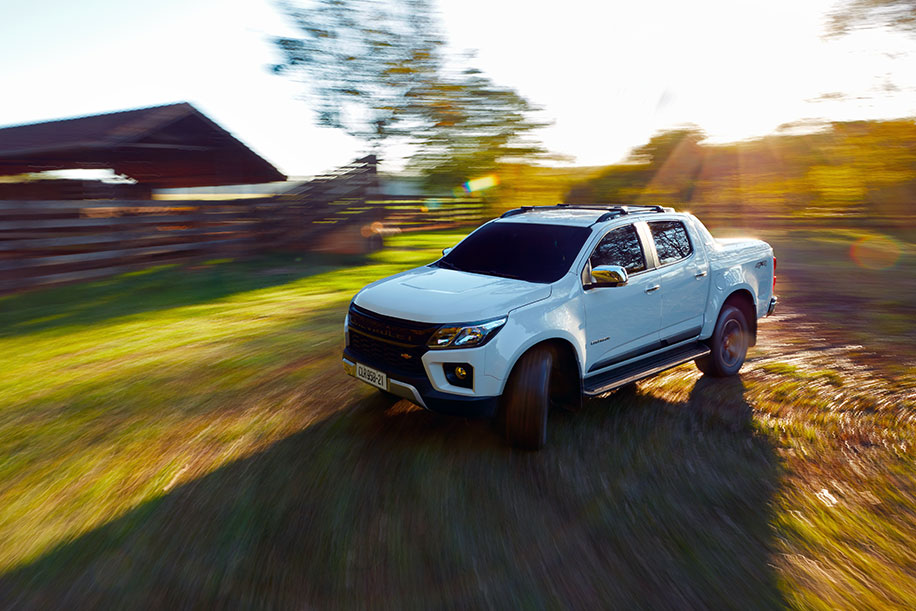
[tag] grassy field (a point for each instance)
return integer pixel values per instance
(186, 437)
(859, 284)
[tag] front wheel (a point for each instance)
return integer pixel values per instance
(527, 399)
(728, 345)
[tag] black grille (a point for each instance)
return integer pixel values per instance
(391, 344)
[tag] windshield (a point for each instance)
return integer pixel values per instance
(525, 251)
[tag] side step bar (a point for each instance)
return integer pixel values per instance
(643, 368)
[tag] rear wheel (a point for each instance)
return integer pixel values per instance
(728, 345)
(527, 398)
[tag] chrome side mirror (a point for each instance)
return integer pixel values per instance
(445, 251)
(609, 275)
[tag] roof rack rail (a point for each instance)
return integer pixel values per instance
(521, 210)
(634, 209)
(612, 210)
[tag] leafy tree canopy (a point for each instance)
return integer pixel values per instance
(469, 125)
(378, 70)
(857, 14)
(361, 60)
(854, 169)
(661, 146)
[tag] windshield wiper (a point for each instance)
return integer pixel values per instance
(493, 272)
(485, 272)
(446, 265)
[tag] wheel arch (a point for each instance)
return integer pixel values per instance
(569, 364)
(744, 301)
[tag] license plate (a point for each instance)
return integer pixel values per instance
(372, 376)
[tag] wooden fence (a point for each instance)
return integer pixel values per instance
(47, 242)
(50, 242)
(420, 215)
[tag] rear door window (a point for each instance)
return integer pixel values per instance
(671, 241)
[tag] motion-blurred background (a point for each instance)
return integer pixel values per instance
(190, 196)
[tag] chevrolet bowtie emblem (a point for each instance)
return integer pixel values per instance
(404, 355)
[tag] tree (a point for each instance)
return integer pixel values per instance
(361, 59)
(665, 169)
(670, 143)
(377, 69)
(855, 14)
(468, 125)
(618, 184)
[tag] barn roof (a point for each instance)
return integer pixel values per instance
(163, 146)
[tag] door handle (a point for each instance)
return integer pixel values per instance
(700, 274)
(652, 289)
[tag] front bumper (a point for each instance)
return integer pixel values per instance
(419, 390)
(772, 306)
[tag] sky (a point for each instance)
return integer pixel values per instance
(608, 74)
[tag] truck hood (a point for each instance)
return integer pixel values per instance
(436, 295)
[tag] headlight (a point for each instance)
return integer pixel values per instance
(466, 336)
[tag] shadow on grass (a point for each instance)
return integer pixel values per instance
(636, 502)
(156, 288)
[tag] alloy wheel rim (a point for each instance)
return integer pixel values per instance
(732, 343)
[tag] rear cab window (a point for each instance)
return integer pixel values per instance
(672, 244)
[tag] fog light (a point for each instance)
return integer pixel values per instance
(459, 374)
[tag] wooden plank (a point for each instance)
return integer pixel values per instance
(112, 221)
(117, 236)
(93, 212)
(40, 262)
(69, 204)
(25, 264)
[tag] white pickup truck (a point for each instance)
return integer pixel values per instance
(548, 304)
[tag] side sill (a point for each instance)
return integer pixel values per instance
(643, 368)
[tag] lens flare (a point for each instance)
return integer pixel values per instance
(481, 184)
(875, 252)
(367, 231)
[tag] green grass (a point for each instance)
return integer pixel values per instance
(185, 436)
(794, 371)
(97, 378)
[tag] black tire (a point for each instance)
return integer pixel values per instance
(527, 398)
(729, 343)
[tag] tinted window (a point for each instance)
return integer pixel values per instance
(620, 247)
(530, 252)
(671, 241)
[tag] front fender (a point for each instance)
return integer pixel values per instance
(559, 317)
